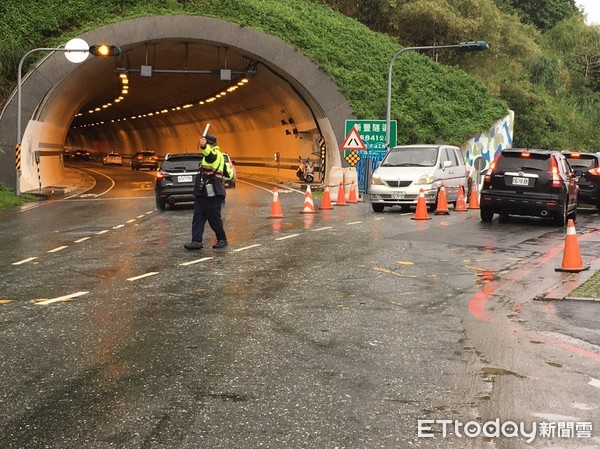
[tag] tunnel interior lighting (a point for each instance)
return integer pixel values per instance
(125, 89)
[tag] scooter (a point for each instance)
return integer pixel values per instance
(306, 170)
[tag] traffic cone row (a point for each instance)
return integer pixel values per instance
(420, 213)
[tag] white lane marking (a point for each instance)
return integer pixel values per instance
(322, 229)
(380, 218)
(149, 212)
(60, 248)
(102, 232)
(83, 239)
(353, 223)
(283, 189)
(131, 221)
(246, 247)
(141, 276)
(61, 298)
(288, 237)
(119, 226)
(192, 262)
(594, 382)
(20, 262)
(141, 216)
(106, 176)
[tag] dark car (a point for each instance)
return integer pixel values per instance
(81, 155)
(144, 159)
(586, 167)
(529, 182)
(175, 179)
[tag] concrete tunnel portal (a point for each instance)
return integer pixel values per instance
(176, 74)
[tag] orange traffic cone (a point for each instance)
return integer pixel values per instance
(309, 205)
(442, 202)
(460, 206)
(572, 262)
(326, 200)
(474, 200)
(352, 198)
(341, 198)
(276, 205)
(421, 212)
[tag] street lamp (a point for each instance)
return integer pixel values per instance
(463, 46)
(76, 51)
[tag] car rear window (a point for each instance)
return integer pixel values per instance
(182, 164)
(518, 162)
(582, 162)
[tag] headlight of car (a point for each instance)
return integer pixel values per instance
(376, 180)
(426, 179)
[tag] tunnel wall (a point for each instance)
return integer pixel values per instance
(326, 103)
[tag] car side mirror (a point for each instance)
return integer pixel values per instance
(447, 164)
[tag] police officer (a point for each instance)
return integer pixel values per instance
(209, 192)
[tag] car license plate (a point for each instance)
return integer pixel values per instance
(397, 195)
(184, 178)
(520, 181)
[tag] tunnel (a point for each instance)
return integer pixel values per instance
(265, 101)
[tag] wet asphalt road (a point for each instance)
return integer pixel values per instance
(340, 329)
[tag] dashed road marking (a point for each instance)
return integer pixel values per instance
(353, 223)
(131, 221)
(60, 248)
(61, 298)
(246, 247)
(288, 236)
(141, 276)
(192, 262)
(83, 239)
(322, 229)
(119, 226)
(141, 216)
(29, 259)
(102, 232)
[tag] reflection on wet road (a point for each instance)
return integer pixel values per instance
(339, 329)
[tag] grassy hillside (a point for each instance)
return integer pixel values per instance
(431, 101)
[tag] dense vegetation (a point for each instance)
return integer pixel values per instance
(544, 61)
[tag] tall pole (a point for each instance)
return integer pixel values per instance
(19, 99)
(466, 46)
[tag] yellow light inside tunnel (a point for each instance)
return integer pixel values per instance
(218, 95)
(96, 109)
(201, 102)
(123, 75)
(118, 100)
(223, 93)
(125, 81)
(164, 111)
(245, 80)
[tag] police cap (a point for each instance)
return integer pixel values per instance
(211, 139)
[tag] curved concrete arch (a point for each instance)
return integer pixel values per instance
(56, 90)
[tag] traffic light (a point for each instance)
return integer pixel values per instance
(103, 50)
(474, 46)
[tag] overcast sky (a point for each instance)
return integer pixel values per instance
(592, 10)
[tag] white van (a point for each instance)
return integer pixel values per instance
(407, 169)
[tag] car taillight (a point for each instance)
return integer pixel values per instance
(160, 175)
(488, 173)
(594, 171)
(140, 158)
(525, 154)
(554, 172)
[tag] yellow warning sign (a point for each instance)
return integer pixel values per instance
(352, 158)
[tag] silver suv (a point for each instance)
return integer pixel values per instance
(407, 169)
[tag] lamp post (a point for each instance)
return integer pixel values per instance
(76, 51)
(463, 46)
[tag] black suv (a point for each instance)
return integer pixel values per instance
(175, 179)
(529, 182)
(143, 159)
(586, 167)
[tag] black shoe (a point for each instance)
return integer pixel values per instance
(193, 245)
(220, 244)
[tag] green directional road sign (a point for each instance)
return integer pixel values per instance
(372, 132)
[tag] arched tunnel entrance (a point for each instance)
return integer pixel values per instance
(175, 75)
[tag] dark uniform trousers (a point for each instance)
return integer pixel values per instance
(208, 208)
